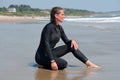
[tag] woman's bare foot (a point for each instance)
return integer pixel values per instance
(91, 65)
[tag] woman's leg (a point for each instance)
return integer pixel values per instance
(62, 50)
(61, 63)
(58, 52)
(79, 55)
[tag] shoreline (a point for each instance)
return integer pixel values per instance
(4, 18)
(17, 18)
(14, 18)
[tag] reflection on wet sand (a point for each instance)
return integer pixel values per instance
(83, 73)
(43, 74)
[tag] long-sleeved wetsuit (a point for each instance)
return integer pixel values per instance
(46, 52)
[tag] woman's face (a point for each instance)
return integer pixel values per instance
(60, 17)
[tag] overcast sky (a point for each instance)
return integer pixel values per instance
(92, 5)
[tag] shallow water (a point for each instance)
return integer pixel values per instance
(19, 42)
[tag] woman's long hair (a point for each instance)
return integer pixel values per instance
(55, 10)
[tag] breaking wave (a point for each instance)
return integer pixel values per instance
(95, 20)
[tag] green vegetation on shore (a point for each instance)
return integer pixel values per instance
(76, 12)
(26, 10)
(22, 10)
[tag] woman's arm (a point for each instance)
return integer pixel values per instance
(72, 43)
(64, 37)
(46, 41)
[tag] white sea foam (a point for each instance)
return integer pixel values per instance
(95, 20)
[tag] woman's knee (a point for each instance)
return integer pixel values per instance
(62, 64)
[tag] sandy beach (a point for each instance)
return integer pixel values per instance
(15, 18)
(100, 42)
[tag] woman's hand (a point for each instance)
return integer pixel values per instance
(54, 65)
(74, 44)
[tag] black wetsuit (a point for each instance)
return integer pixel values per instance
(46, 52)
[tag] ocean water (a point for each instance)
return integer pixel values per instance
(98, 39)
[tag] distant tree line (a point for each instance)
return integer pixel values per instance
(26, 10)
(77, 12)
(23, 10)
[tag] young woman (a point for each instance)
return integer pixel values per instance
(47, 55)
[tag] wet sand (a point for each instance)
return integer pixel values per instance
(19, 42)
